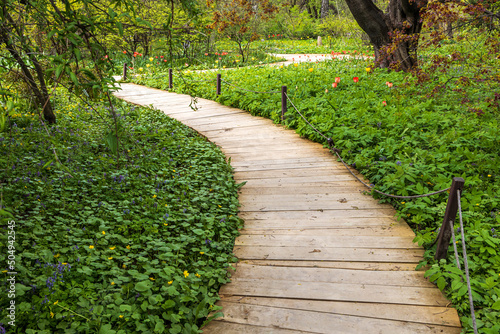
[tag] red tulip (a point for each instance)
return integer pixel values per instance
(124, 52)
(389, 84)
(384, 103)
(337, 80)
(355, 79)
(334, 85)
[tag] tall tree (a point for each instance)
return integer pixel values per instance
(393, 34)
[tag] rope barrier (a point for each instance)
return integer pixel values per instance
(337, 151)
(466, 264)
(251, 91)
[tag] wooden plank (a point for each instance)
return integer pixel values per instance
(338, 231)
(354, 188)
(291, 196)
(223, 327)
(305, 206)
(298, 172)
(326, 323)
(331, 275)
(359, 265)
(361, 224)
(362, 293)
(300, 253)
(331, 241)
(416, 314)
(317, 215)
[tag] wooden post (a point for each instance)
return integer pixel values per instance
(283, 102)
(320, 42)
(124, 71)
(444, 235)
(170, 83)
(218, 84)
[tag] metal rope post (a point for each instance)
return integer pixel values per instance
(124, 71)
(218, 83)
(170, 81)
(466, 264)
(283, 102)
(450, 214)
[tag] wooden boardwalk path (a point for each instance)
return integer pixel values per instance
(316, 255)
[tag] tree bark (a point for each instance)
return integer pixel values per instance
(325, 6)
(41, 94)
(394, 34)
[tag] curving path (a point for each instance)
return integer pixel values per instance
(316, 255)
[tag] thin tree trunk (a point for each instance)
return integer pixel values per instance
(41, 94)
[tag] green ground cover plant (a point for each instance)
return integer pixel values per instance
(407, 138)
(137, 248)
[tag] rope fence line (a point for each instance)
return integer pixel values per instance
(248, 90)
(466, 264)
(337, 151)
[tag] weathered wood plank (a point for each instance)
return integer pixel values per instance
(316, 215)
(393, 231)
(358, 265)
(416, 314)
(224, 327)
(331, 275)
(352, 292)
(299, 253)
(330, 241)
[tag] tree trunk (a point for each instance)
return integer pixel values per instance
(41, 94)
(394, 35)
(325, 5)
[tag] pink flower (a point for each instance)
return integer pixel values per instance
(355, 79)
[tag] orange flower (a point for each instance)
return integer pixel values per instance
(389, 84)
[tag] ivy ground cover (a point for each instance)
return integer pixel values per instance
(140, 247)
(406, 139)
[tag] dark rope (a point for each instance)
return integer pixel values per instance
(248, 90)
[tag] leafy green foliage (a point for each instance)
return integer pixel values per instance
(141, 249)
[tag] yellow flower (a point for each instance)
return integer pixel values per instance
(197, 275)
(147, 65)
(219, 206)
(295, 64)
(51, 314)
(124, 266)
(91, 247)
(112, 248)
(186, 274)
(489, 175)
(165, 224)
(151, 278)
(166, 204)
(121, 316)
(202, 253)
(216, 61)
(57, 255)
(151, 59)
(281, 66)
(154, 196)
(368, 69)
(110, 258)
(311, 69)
(128, 246)
(403, 202)
(170, 282)
(55, 303)
(64, 263)
(140, 69)
(103, 233)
